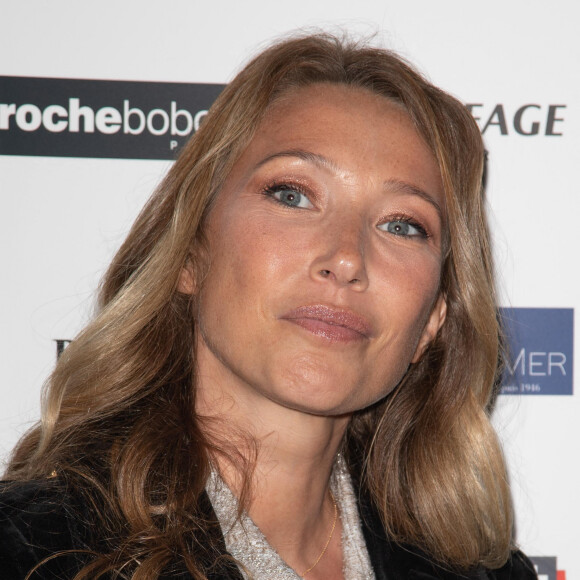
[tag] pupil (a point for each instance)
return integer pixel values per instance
(400, 228)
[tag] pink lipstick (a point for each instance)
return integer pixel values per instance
(334, 324)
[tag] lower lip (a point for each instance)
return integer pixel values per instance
(330, 332)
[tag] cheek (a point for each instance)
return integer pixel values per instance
(411, 279)
(250, 261)
(263, 253)
(408, 295)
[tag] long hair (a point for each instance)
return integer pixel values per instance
(119, 411)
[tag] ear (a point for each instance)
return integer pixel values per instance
(434, 323)
(187, 283)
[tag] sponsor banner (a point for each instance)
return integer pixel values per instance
(540, 356)
(540, 351)
(527, 120)
(152, 120)
(90, 118)
(547, 569)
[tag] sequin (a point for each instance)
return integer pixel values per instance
(259, 561)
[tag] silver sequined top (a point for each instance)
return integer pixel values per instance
(246, 543)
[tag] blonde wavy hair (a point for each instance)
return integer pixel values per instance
(118, 421)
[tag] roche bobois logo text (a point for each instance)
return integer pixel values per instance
(91, 118)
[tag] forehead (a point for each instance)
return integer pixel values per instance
(331, 99)
(358, 130)
(333, 106)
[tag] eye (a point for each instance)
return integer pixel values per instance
(289, 195)
(404, 227)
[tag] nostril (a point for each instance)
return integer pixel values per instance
(325, 273)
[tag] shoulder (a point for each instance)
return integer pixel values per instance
(39, 519)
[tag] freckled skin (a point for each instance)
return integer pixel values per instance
(268, 258)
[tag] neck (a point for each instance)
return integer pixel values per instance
(292, 453)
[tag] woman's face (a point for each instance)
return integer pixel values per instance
(325, 256)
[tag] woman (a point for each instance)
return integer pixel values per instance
(294, 354)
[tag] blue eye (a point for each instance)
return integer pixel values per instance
(290, 197)
(403, 228)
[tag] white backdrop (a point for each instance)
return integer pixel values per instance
(62, 218)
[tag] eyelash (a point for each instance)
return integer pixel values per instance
(423, 233)
(279, 186)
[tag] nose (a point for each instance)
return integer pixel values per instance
(341, 259)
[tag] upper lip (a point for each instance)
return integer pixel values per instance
(332, 315)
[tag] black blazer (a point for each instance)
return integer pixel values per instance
(38, 519)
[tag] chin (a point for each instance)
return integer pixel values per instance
(323, 399)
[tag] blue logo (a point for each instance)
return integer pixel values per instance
(540, 356)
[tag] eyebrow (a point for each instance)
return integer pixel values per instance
(400, 186)
(394, 185)
(308, 156)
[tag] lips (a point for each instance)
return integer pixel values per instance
(334, 324)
